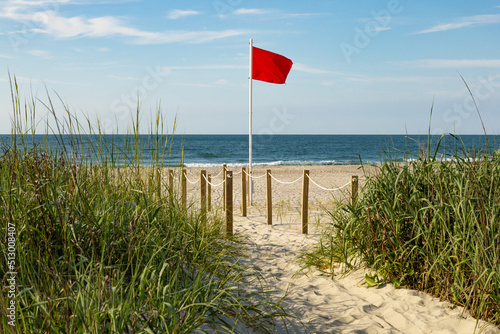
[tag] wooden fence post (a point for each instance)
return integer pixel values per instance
(243, 192)
(224, 170)
(183, 189)
(305, 202)
(354, 189)
(229, 203)
(203, 192)
(209, 192)
(269, 198)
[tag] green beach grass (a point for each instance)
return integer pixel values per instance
(102, 248)
(431, 224)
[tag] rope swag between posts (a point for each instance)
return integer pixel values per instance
(227, 189)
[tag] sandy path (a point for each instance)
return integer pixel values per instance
(342, 305)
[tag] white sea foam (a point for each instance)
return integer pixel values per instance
(278, 163)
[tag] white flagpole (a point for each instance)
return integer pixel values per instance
(250, 181)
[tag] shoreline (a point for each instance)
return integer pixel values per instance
(281, 163)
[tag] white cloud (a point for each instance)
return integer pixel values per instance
(194, 85)
(374, 29)
(178, 13)
(252, 11)
(52, 23)
(293, 15)
(307, 69)
(451, 63)
(168, 69)
(273, 13)
(464, 22)
(109, 26)
(188, 36)
(370, 80)
(21, 79)
(221, 82)
(39, 53)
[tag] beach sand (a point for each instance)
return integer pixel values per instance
(319, 303)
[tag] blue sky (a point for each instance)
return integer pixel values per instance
(360, 67)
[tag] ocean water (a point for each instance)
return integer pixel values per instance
(215, 150)
(316, 149)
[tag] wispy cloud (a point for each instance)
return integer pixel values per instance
(179, 13)
(52, 23)
(311, 70)
(374, 29)
(22, 79)
(271, 13)
(169, 69)
(450, 63)
(294, 15)
(464, 22)
(251, 11)
(200, 85)
(203, 36)
(221, 82)
(39, 53)
(374, 80)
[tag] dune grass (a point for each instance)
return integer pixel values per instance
(102, 245)
(431, 223)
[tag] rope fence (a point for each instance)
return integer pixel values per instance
(327, 189)
(192, 182)
(285, 182)
(254, 177)
(214, 185)
(206, 186)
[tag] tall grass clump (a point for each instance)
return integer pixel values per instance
(431, 223)
(103, 246)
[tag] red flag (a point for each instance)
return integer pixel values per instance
(269, 66)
